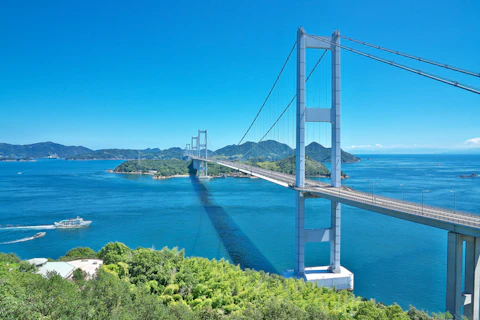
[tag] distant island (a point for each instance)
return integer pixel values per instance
(39, 150)
(161, 169)
(269, 150)
(27, 159)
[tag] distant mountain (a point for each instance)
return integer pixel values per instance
(272, 150)
(40, 150)
(322, 154)
(288, 165)
(111, 154)
(269, 150)
(172, 153)
(129, 154)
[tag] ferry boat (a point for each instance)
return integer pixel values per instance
(72, 223)
(39, 235)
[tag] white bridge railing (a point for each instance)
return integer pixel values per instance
(347, 193)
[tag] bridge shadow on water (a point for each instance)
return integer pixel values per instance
(239, 247)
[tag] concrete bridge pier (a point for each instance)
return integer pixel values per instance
(463, 276)
(196, 165)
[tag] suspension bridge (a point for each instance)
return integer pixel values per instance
(463, 268)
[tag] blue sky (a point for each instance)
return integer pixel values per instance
(150, 73)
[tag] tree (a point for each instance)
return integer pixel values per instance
(79, 275)
(79, 253)
(115, 252)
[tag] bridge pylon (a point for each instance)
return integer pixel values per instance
(199, 149)
(333, 275)
(202, 151)
(194, 151)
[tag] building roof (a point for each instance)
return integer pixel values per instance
(38, 261)
(90, 266)
(64, 269)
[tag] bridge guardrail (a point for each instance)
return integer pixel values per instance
(435, 213)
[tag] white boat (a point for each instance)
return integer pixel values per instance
(72, 223)
(39, 235)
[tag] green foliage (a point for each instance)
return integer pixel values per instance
(9, 258)
(163, 167)
(79, 253)
(150, 284)
(271, 150)
(322, 154)
(216, 169)
(79, 275)
(166, 168)
(25, 266)
(288, 165)
(115, 252)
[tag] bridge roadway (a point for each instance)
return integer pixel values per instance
(455, 221)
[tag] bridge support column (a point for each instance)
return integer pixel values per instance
(335, 238)
(299, 269)
(463, 289)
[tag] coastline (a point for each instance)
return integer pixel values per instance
(156, 177)
(232, 175)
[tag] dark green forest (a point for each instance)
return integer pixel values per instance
(164, 284)
(172, 167)
(166, 168)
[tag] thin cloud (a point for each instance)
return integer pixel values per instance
(365, 146)
(473, 141)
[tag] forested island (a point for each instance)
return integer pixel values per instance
(164, 284)
(168, 168)
(175, 167)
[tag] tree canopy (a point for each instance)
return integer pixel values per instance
(164, 284)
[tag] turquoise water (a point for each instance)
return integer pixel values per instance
(247, 221)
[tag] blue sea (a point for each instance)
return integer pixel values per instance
(247, 221)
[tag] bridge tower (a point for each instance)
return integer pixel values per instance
(334, 274)
(194, 152)
(186, 153)
(202, 165)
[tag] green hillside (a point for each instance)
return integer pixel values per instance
(322, 154)
(163, 167)
(271, 150)
(166, 168)
(288, 165)
(163, 284)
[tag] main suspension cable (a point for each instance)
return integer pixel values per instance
(268, 96)
(288, 105)
(446, 66)
(419, 72)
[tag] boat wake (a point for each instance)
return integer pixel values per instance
(45, 227)
(19, 240)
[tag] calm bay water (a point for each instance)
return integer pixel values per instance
(247, 221)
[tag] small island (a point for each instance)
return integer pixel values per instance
(175, 168)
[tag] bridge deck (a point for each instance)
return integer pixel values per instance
(460, 222)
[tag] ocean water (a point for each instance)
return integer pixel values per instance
(247, 221)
